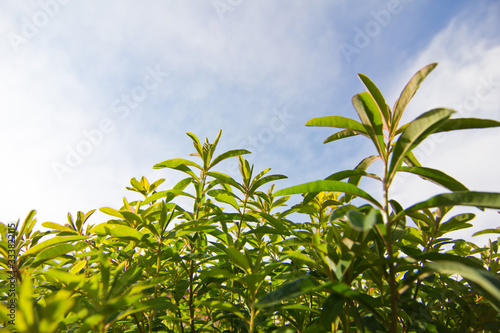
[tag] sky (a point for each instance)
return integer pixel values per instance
(95, 93)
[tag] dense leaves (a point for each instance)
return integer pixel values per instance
(237, 258)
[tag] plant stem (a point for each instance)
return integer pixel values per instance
(191, 293)
(393, 291)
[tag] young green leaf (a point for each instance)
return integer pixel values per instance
(228, 154)
(56, 251)
(57, 226)
(372, 120)
(379, 99)
(52, 241)
(340, 135)
(462, 198)
(415, 132)
(338, 121)
(437, 177)
(407, 94)
(466, 123)
(176, 162)
(328, 185)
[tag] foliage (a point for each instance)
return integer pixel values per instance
(239, 261)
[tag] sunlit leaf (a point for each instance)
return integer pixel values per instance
(437, 177)
(378, 97)
(328, 185)
(339, 122)
(487, 231)
(340, 135)
(415, 132)
(56, 226)
(407, 94)
(464, 198)
(111, 211)
(372, 119)
(228, 154)
(57, 251)
(466, 123)
(53, 241)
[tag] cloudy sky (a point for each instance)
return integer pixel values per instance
(95, 93)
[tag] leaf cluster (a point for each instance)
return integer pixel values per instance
(239, 259)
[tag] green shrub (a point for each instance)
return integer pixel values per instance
(237, 262)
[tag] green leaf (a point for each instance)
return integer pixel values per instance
(118, 231)
(228, 154)
(466, 123)
(133, 218)
(407, 94)
(441, 257)
(126, 280)
(226, 179)
(224, 306)
(338, 121)
(328, 185)
(112, 212)
(158, 304)
(362, 222)
(276, 223)
(437, 177)
(265, 230)
(26, 307)
(224, 197)
(289, 290)
(415, 132)
(332, 308)
(56, 226)
(124, 232)
(487, 281)
(371, 118)
(363, 165)
(196, 143)
(179, 164)
(352, 173)
(57, 251)
(456, 223)
(27, 226)
(465, 198)
(487, 231)
(66, 278)
(411, 160)
(378, 97)
(265, 180)
(208, 150)
(53, 241)
(340, 135)
(78, 267)
(219, 273)
(238, 258)
(302, 258)
(169, 195)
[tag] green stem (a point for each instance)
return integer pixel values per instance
(393, 291)
(242, 216)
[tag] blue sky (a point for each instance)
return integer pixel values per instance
(120, 83)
